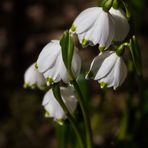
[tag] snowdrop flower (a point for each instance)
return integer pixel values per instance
(95, 26)
(53, 108)
(108, 69)
(50, 63)
(33, 78)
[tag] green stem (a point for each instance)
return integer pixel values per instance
(85, 114)
(125, 127)
(124, 124)
(57, 94)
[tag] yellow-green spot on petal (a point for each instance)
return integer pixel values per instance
(60, 121)
(73, 28)
(26, 85)
(103, 84)
(84, 42)
(101, 49)
(49, 81)
(47, 114)
(36, 66)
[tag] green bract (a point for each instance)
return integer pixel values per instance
(67, 46)
(107, 5)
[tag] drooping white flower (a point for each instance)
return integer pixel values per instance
(121, 24)
(33, 78)
(95, 26)
(53, 108)
(108, 69)
(50, 63)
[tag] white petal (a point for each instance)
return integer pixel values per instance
(123, 71)
(107, 30)
(106, 66)
(63, 71)
(86, 19)
(121, 24)
(120, 72)
(52, 106)
(69, 98)
(40, 80)
(81, 36)
(97, 61)
(102, 31)
(47, 97)
(111, 32)
(48, 55)
(108, 79)
(76, 63)
(54, 72)
(29, 75)
(117, 73)
(33, 77)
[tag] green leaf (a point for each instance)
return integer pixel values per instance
(67, 46)
(136, 55)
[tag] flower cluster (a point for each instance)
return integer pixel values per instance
(92, 26)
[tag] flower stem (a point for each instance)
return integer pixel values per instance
(57, 94)
(85, 114)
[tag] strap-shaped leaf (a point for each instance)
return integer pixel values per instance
(67, 46)
(136, 55)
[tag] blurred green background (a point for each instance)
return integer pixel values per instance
(25, 27)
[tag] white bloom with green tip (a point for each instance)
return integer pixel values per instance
(50, 63)
(108, 69)
(33, 78)
(53, 108)
(95, 26)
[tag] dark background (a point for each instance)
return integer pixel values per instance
(25, 27)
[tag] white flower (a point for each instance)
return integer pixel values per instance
(95, 26)
(53, 108)
(50, 63)
(121, 24)
(108, 69)
(33, 78)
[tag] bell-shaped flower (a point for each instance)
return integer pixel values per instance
(50, 63)
(95, 26)
(53, 108)
(108, 69)
(33, 78)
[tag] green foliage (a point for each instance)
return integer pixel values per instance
(136, 55)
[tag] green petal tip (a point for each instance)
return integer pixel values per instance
(73, 28)
(103, 84)
(36, 66)
(85, 42)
